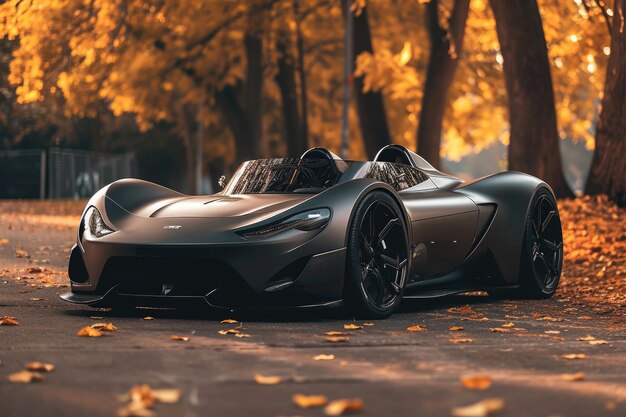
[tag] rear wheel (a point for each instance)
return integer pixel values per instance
(377, 257)
(542, 250)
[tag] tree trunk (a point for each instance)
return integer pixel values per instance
(286, 80)
(445, 48)
(608, 168)
(304, 122)
(245, 120)
(370, 105)
(534, 142)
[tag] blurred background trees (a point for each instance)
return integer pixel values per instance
(475, 86)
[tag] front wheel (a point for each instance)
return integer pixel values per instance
(377, 257)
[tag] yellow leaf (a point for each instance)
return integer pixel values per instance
(148, 318)
(333, 333)
(509, 324)
(476, 382)
(8, 321)
(574, 356)
(308, 401)
(343, 406)
(405, 55)
(267, 380)
(229, 321)
(352, 327)
(167, 396)
(480, 409)
(107, 327)
(323, 357)
(368, 324)
(586, 338)
(4, 242)
(40, 367)
(89, 332)
(37, 299)
(598, 342)
(229, 331)
(25, 377)
(337, 339)
(416, 328)
(180, 338)
(456, 328)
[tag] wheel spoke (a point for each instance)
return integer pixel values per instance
(547, 220)
(548, 265)
(397, 265)
(366, 246)
(551, 245)
(395, 287)
(383, 233)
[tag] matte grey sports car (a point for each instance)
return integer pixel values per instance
(320, 231)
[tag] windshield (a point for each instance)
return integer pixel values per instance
(286, 175)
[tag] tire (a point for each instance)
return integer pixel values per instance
(377, 257)
(542, 250)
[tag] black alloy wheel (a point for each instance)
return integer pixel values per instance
(377, 257)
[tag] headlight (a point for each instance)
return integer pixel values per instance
(95, 224)
(306, 221)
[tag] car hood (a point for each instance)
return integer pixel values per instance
(218, 206)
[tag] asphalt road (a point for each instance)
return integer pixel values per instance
(394, 371)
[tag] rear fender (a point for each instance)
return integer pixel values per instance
(511, 192)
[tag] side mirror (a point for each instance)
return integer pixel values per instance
(222, 181)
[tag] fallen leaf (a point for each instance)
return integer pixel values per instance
(89, 332)
(229, 321)
(97, 318)
(148, 318)
(308, 401)
(467, 309)
(456, 328)
(461, 340)
(166, 396)
(4, 242)
(598, 342)
(141, 398)
(343, 406)
(267, 380)
(242, 335)
(368, 324)
(40, 367)
(509, 324)
(500, 330)
(552, 332)
(574, 356)
(578, 376)
(416, 328)
(8, 321)
(337, 339)
(37, 299)
(35, 270)
(585, 317)
(25, 377)
(107, 327)
(179, 338)
(553, 319)
(24, 291)
(335, 333)
(476, 382)
(229, 331)
(323, 357)
(352, 327)
(19, 253)
(586, 338)
(480, 409)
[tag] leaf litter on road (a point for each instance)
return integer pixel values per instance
(39, 367)
(482, 408)
(178, 338)
(323, 357)
(8, 321)
(309, 401)
(416, 328)
(89, 332)
(342, 406)
(267, 380)
(141, 399)
(25, 377)
(476, 382)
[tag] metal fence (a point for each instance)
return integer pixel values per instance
(60, 173)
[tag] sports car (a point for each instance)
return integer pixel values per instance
(319, 231)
